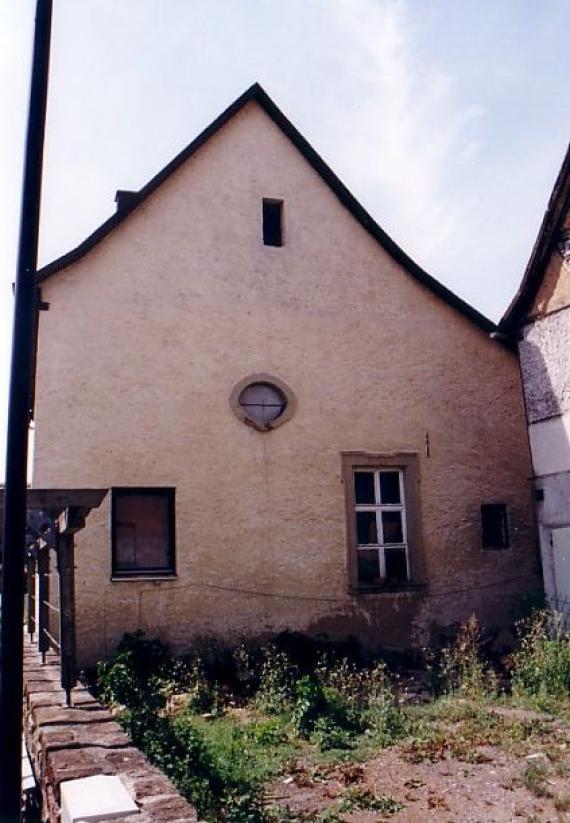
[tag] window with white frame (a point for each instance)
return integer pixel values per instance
(380, 526)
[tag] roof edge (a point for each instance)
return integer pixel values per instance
(257, 94)
(558, 205)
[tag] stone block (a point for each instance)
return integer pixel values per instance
(61, 715)
(71, 764)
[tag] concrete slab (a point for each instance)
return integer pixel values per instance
(97, 798)
(28, 779)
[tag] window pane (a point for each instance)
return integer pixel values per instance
(392, 527)
(142, 538)
(390, 487)
(364, 487)
(262, 401)
(396, 570)
(368, 567)
(366, 528)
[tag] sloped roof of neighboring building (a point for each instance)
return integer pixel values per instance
(548, 236)
(257, 94)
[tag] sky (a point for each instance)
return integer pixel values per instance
(447, 119)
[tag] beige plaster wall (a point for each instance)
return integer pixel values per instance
(147, 335)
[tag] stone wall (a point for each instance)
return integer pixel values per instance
(70, 743)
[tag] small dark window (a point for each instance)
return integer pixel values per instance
(142, 532)
(494, 526)
(273, 222)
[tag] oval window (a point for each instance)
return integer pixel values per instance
(262, 402)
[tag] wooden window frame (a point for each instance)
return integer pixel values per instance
(149, 572)
(408, 464)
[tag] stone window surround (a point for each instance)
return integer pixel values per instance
(263, 377)
(408, 463)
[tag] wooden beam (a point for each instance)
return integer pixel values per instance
(58, 499)
(65, 551)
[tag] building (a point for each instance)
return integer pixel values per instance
(300, 429)
(539, 318)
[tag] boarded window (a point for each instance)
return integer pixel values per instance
(494, 526)
(273, 222)
(143, 532)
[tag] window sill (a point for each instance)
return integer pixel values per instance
(129, 578)
(394, 589)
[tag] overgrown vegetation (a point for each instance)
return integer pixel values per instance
(541, 665)
(223, 725)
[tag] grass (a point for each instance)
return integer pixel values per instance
(534, 778)
(225, 725)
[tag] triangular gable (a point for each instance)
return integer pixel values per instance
(257, 94)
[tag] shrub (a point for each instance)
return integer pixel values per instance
(460, 668)
(541, 665)
(202, 693)
(310, 704)
(133, 675)
(277, 680)
(328, 735)
(326, 716)
(179, 750)
(359, 699)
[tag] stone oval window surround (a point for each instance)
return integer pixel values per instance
(262, 401)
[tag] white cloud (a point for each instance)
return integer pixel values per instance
(411, 124)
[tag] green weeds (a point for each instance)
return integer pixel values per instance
(541, 666)
(224, 725)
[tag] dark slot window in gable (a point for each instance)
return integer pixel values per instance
(494, 526)
(143, 532)
(273, 222)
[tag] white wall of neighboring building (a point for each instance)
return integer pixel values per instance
(545, 364)
(550, 444)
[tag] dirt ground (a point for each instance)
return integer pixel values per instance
(485, 783)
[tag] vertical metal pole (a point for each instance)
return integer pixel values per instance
(21, 383)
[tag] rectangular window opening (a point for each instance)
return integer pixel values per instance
(494, 526)
(381, 534)
(272, 222)
(142, 532)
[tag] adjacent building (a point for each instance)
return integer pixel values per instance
(539, 319)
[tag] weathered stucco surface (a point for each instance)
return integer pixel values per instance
(545, 363)
(145, 338)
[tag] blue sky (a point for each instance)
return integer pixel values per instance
(447, 119)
